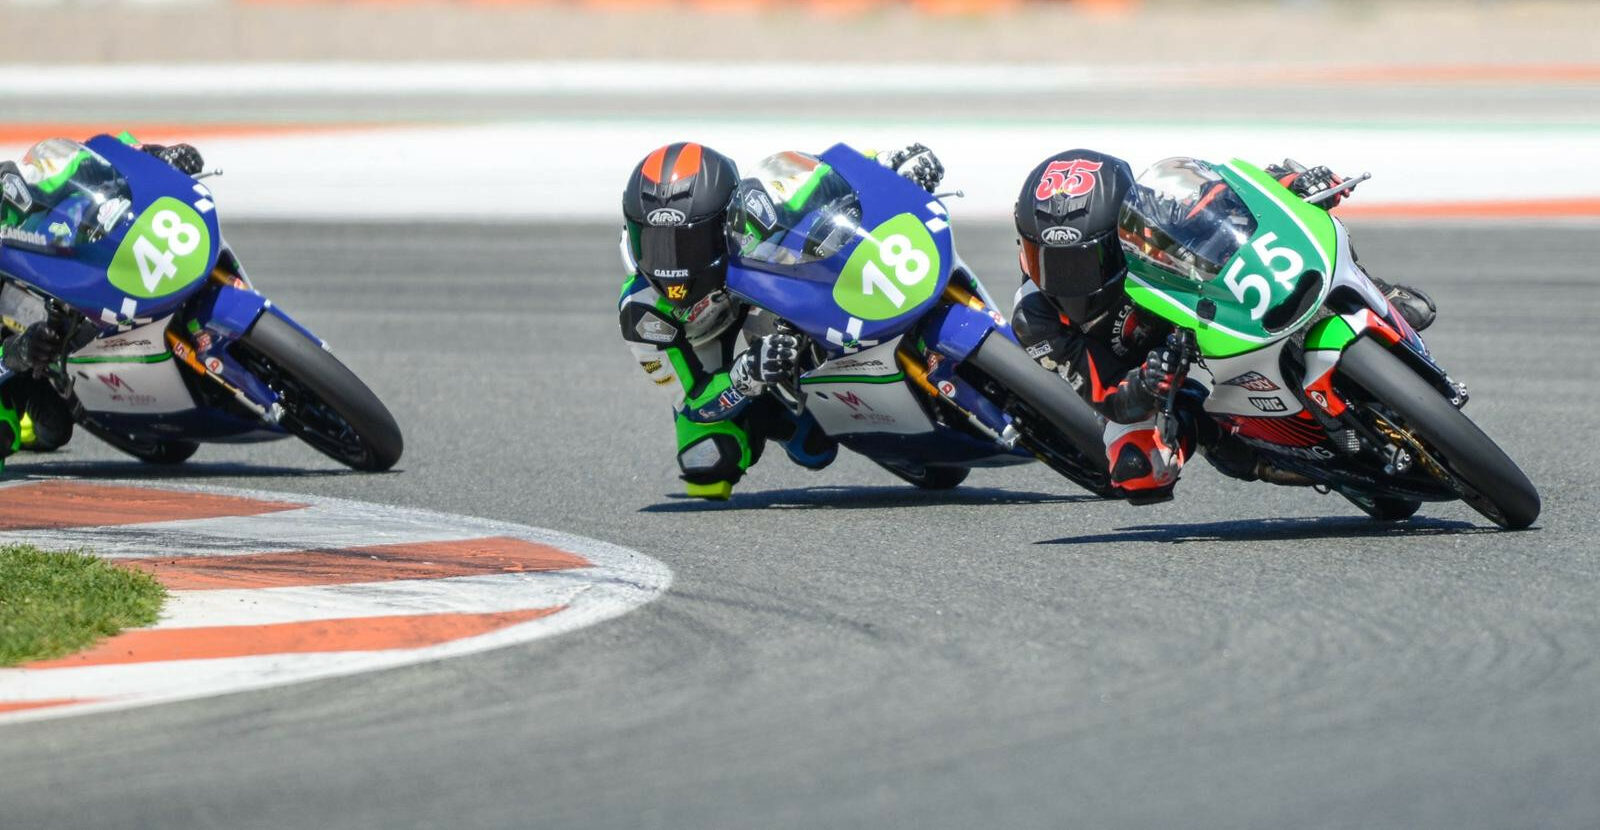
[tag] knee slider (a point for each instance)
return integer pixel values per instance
(712, 459)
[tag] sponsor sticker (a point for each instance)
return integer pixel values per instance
(947, 389)
(214, 365)
(1268, 404)
(1060, 235)
(760, 208)
(1253, 381)
(1039, 349)
(11, 234)
(677, 292)
(665, 217)
(651, 366)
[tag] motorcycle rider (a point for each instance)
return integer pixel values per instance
(683, 326)
(28, 419)
(1073, 316)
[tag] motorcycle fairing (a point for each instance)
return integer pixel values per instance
(804, 294)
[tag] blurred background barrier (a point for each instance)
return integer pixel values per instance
(510, 110)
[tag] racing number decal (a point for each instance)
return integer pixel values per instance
(1073, 178)
(165, 250)
(1293, 265)
(894, 269)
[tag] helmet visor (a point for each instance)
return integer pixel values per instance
(1076, 270)
(680, 252)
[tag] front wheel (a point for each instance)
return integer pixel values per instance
(1059, 427)
(324, 403)
(1488, 480)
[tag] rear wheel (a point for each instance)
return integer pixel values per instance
(324, 403)
(1056, 425)
(930, 478)
(1487, 479)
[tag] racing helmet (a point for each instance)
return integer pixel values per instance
(675, 206)
(794, 209)
(1066, 218)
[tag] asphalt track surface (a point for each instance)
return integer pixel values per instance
(840, 650)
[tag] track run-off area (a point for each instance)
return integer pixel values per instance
(838, 649)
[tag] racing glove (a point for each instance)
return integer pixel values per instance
(32, 350)
(917, 163)
(1303, 181)
(182, 156)
(1165, 367)
(771, 359)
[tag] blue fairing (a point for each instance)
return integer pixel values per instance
(79, 278)
(803, 293)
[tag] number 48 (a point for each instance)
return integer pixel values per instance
(157, 264)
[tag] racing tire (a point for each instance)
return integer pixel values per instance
(324, 403)
(930, 478)
(1385, 509)
(1497, 487)
(1043, 395)
(163, 453)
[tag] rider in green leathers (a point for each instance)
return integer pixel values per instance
(683, 327)
(25, 355)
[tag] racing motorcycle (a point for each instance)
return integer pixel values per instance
(905, 358)
(1309, 365)
(167, 343)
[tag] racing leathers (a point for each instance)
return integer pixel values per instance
(690, 353)
(1126, 361)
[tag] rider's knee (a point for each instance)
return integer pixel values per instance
(711, 466)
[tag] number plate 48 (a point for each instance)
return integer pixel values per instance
(167, 248)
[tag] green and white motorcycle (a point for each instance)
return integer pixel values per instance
(1308, 363)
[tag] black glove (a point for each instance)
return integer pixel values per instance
(1303, 181)
(770, 359)
(1166, 367)
(919, 164)
(182, 156)
(32, 350)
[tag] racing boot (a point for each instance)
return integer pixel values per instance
(1415, 307)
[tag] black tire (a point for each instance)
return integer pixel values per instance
(1044, 395)
(1385, 509)
(1499, 489)
(164, 453)
(324, 403)
(930, 478)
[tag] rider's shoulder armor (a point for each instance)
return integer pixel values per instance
(644, 320)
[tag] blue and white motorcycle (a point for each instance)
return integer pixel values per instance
(168, 345)
(906, 359)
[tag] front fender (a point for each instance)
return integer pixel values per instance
(956, 330)
(1327, 340)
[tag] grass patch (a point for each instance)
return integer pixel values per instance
(53, 604)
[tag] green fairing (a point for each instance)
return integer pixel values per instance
(1303, 228)
(690, 432)
(1331, 333)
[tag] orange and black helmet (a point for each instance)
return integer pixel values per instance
(1066, 219)
(676, 206)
